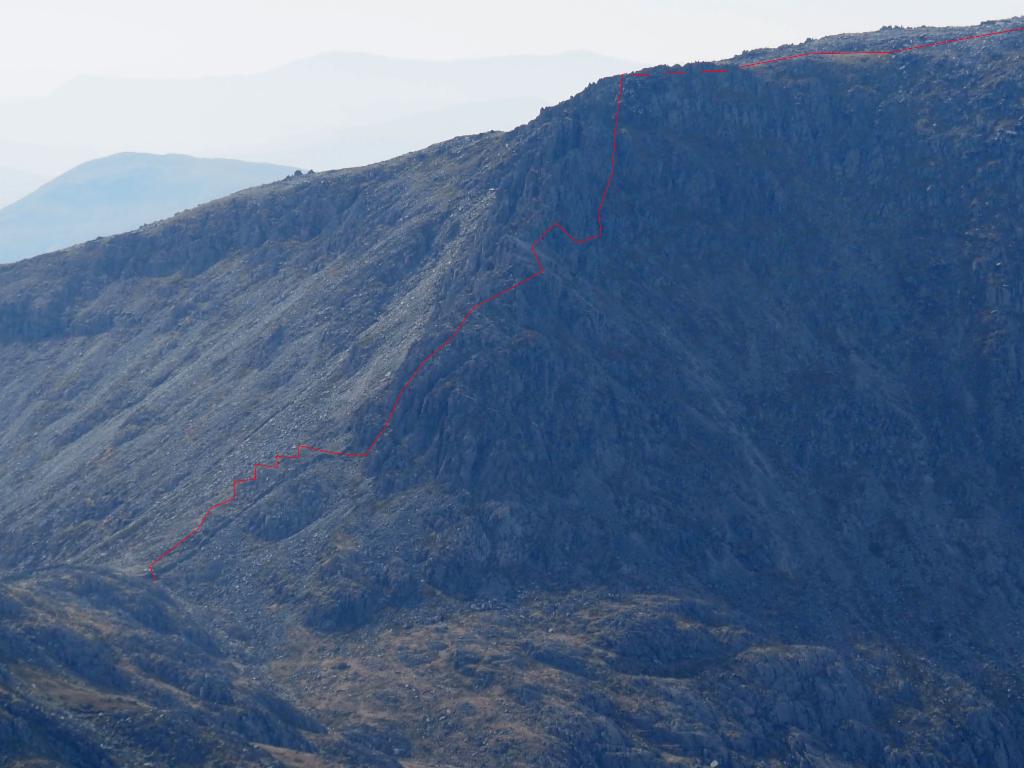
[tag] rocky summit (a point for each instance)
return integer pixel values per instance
(739, 483)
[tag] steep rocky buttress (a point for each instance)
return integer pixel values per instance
(741, 480)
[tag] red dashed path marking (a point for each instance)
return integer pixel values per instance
(538, 273)
(882, 53)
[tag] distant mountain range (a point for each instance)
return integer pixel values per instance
(270, 115)
(119, 193)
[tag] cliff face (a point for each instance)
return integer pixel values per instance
(740, 480)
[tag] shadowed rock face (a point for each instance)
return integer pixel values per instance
(740, 481)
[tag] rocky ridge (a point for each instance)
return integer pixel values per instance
(739, 481)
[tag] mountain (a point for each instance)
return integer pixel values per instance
(267, 115)
(118, 193)
(16, 183)
(738, 481)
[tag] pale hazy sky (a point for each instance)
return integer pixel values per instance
(43, 42)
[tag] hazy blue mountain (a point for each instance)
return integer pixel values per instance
(740, 481)
(265, 116)
(16, 183)
(119, 193)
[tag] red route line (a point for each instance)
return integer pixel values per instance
(458, 329)
(540, 271)
(882, 53)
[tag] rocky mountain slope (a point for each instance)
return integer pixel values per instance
(118, 193)
(739, 481)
